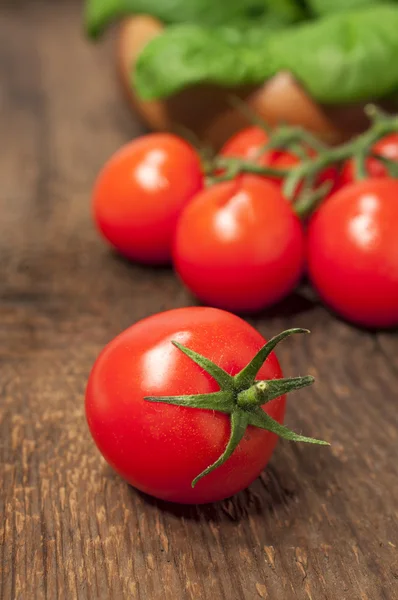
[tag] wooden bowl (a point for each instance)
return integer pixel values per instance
(205, 110)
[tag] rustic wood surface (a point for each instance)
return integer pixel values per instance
(318, 524)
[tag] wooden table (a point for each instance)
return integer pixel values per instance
(318, 524)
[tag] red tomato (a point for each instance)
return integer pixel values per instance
(239, 245)
(140, 192)
(353, 252)
(247, 144)
(160, 448)
(387, 147)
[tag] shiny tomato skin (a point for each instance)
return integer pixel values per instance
(140, 192)
(247, 144)
(160, 448)
(353, 252)
(387, 147)
(239, 245)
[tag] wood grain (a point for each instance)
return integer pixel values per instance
(318, 524)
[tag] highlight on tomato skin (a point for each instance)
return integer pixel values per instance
(352, 251)
(239, 245)
(140, 192)
(142, 404)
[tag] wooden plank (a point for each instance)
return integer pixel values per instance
(318, 524)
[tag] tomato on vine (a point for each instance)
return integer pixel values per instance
(187, 405)
(239, 245)
(353, 252)
(140, 193)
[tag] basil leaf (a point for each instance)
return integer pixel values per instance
(345, 57)
(325, 7)
(185, 55)
(289, 10)
(100, 13)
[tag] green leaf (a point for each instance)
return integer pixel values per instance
(321, 8)
(224, 380)
(259, 418)
(345, 57)
(100, 13)
(239, 421)
(219, 401)
(247, 376)
(195, 54)
(289, 10)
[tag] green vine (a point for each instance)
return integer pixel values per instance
(299, 181)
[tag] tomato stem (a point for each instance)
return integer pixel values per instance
(264, 391)
(254, 396)
(241, 397)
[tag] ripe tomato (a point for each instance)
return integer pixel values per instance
(161, 448)
(248, 143)
(140, 192)
(353, 252)
(239, 245)
(387, 147)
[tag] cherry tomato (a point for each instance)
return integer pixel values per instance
(387, 147)
(353, 252)
(239, 245)
(160, 448)
(140, 192)
(248, 143)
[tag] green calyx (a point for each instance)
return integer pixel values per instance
(242, 396)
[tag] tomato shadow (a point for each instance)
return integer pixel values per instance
(279, 490)
(386, 331)
(301, 301)
(262, 496)
(332, 315)
(131, 265)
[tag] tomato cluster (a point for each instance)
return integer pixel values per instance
(187, 405)
(238, 244)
